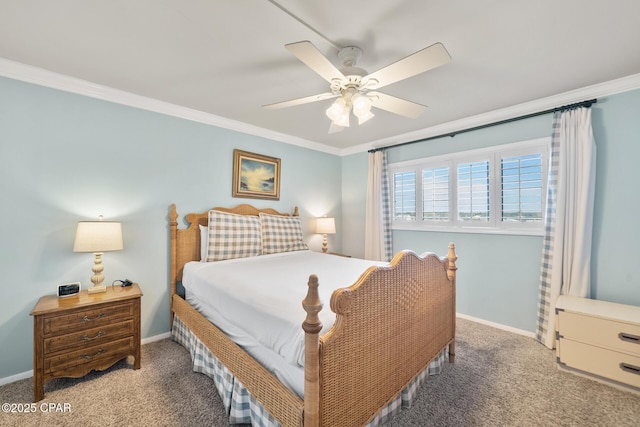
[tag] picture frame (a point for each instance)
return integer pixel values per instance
(255, 176)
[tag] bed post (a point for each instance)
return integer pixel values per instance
(451, 274)
(312, 326)
(173, 254)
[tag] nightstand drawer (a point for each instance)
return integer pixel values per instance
(85, 319)
(620, 367)
(87, 337)
(607, 333)
(89, 355)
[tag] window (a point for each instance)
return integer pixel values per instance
(498, 189)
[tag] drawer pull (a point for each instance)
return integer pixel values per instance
(629, 338)
(630, 368)
(87, 319)
(85, 337)
(86, 356)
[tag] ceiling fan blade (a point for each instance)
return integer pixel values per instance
(396, 105)
(416, 63)
(306, 52)
(299, 101)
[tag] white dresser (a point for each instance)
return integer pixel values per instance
(599, 339)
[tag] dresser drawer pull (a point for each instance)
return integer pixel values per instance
(629, 338)
(87, 319)
(85, 337)
(630, 368)
(86, 356)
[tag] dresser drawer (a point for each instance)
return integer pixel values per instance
(610, 364)
(89, 337)
(612, 334)
(90, 355)
(85, 319)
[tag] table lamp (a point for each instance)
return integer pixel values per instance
(98, 237)
(325, 226)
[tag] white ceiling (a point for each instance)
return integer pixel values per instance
(227, 57)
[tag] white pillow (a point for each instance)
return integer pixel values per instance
(204, 242)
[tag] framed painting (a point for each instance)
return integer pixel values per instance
(255, 176)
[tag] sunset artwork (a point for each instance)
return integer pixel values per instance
(256, 176)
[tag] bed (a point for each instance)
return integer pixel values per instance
(386, 328)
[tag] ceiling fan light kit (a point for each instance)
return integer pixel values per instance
(362, 107)
(338, 112)
(353, 86)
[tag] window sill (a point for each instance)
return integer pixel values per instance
(471, 230)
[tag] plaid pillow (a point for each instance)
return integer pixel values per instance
(232, 236)
(281, 234)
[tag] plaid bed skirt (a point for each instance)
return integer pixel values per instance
(243, 408)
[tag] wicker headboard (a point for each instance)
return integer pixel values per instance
(185, 243)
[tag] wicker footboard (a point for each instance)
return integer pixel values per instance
(389, 326)
(244, 408)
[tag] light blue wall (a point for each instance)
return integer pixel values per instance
(65, 158)
(354, 192)
(498, 275)
(616, 123)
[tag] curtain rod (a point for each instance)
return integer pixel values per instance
(585, 104)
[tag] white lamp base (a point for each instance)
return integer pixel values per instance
(97, 277)
(97, 289)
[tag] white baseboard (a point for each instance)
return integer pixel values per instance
(497, 325)
(156, 338)
(16, 377)
(29, 373)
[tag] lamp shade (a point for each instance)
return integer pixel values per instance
(98, 236)
(337, 109)
(325, 226)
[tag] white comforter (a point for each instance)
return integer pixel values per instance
(262, 296)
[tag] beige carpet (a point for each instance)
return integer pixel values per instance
(499, 379)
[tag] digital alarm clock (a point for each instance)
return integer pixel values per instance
(68, 289)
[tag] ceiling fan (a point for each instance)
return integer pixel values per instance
(355, 89)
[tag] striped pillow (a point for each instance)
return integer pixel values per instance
(232, 236)
(281, 234)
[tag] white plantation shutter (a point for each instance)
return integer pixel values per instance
(404, 196)
(474, 191)
(522, 188)
(435, 194)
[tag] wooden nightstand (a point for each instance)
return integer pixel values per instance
(75, 335)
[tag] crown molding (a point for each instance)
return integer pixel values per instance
(623, 84)
(42, 77)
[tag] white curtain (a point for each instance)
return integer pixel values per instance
(566, 252)
(377, 236)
